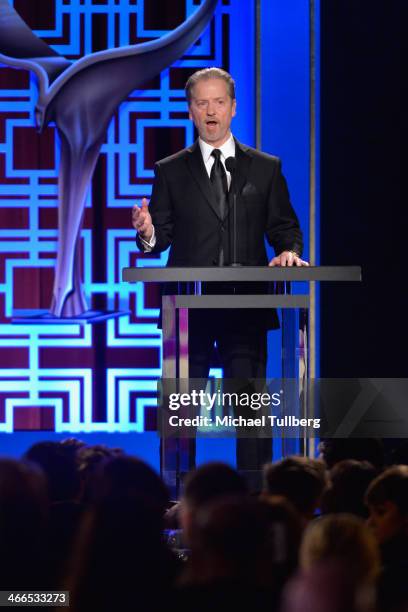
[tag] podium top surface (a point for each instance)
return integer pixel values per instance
(242, 273)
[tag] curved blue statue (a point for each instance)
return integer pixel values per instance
(81, 98)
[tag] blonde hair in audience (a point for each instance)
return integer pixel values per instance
(344, 538)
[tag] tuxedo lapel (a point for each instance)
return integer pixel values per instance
(197, 168)
(243, 164)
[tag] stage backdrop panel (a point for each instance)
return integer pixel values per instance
(68, 377)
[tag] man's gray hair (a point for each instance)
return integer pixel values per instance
(210, 73)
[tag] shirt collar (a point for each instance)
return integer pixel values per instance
(227, 149)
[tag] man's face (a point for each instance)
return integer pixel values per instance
(212, 110)
(385, 520)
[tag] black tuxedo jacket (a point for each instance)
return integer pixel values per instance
(186, 218)
(185, 214)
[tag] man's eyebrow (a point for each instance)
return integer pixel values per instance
(207, 99)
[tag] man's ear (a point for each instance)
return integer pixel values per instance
(389, 507)
(234, 108)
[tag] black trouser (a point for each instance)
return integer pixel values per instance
(241, 347)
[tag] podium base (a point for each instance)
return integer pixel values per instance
(44, 317)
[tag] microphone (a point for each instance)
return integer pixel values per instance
(231, 164)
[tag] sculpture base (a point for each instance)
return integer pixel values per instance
(44, 317)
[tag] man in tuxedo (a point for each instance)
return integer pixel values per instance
(190, 212)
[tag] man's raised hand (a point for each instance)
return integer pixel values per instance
(288, 258)
(142, 221)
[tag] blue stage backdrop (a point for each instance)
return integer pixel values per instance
(86, 378)
(67, 377)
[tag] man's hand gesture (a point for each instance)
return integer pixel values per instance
(142, 221)
(288, 258)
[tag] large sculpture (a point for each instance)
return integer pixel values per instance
(81, 97)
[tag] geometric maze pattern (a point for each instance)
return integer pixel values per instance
(101, 377)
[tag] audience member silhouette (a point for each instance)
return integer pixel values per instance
(23, 518)
(89, 459)
(327, 587)
(387, 500)
(91, 519)
(300, 480)
(346, 540)
(348, 483)
(236, 545)
(58, 460)
(205, 484)
(59, 465)
(121, 560)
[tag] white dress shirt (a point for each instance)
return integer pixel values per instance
(227, 150)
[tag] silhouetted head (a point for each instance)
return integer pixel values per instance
(120, 555)
(209, 482)
(23, 515)
(129, 478)
(387, 500)
(59, 465)
(89, 459)
(349, 480)
(22, 490)
(298, 479)
(341, 538)
(74, 444)
(241, 540)
(120, 549)
(327, 587)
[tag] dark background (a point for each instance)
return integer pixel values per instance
(364, 201)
